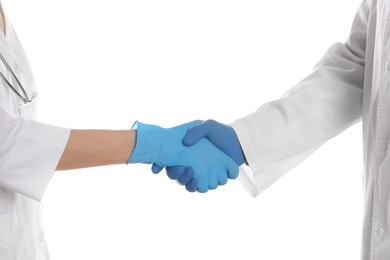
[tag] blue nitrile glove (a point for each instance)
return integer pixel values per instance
(222, 136)
(164, 147)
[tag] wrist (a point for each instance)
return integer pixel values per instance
(148, 143)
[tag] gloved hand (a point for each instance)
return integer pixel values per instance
(163, 147)
(182, 174)
(222, 136)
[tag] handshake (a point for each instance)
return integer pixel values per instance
(201, 154)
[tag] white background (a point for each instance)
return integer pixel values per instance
(103, 64)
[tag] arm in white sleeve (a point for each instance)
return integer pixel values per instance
(29, 154)
(282, 133)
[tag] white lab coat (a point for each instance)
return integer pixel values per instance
(29, 154)
(350, 82)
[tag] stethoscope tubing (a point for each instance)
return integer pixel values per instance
(23, 96)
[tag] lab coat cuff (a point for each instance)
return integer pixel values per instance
(247, 181)
(251, 169)
(262, 174)
(37, 153)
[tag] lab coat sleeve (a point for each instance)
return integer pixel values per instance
(29, 154)
(282, 133)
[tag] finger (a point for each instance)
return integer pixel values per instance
(191, 186)
(187, 176)
(213, 182)
(195, 133)
(222, 179)
(156, 169)
(232, 169)
(203, 186)
(175, 172)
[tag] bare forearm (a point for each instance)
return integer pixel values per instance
(90, 148)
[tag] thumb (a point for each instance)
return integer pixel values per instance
(195, 133)
(156, 169)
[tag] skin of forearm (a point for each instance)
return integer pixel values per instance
(90, 148)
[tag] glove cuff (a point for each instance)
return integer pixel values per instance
(148, 143)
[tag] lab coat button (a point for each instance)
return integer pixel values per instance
(380, 231)
(383, 148)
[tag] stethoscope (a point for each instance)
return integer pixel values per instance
(23, 94)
